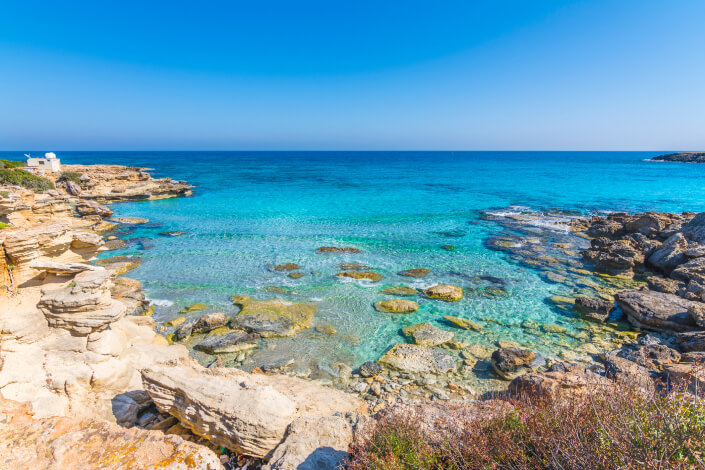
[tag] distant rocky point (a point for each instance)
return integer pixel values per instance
(684, 157)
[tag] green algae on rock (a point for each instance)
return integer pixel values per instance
(194, 308)
(274, 317)
(396, 306)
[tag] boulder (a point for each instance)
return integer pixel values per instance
(652, 356)
(511, 362)
(593, 309)
(234, 341)
(691, 341)
(445, 292)
(655, 310)
(313, 443)
(694, 230)
(396, 306)
(370, 369)
(210, 322)
(560, 381)
(425, 334)
(415, 272)
(246, 413)
(665, 285)
(649, 223)
(271, 318)
(628, 373)
(697, 313)
(616, 257)
(689, 376)
(417, 359)
(670, 254)
(692, 271)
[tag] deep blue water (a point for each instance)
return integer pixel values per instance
(255, 209)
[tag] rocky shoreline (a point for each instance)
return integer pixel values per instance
(683, 157)
(80, 351)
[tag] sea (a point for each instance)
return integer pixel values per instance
(253, 210)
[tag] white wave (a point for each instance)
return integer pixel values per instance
(161, 302)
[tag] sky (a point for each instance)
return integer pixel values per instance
(362, 75)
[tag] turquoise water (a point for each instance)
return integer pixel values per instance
(252, 210)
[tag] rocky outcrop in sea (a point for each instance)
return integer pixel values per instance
(683, 157)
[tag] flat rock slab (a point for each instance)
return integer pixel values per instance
(63, 269)
(396, 306)
(234, 341)
(274, 317)
(425, 334)
(656, 310)
(420, 359)
(247, 413)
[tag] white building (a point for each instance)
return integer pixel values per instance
(48, 163)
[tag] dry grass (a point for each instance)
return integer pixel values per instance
(613, 429)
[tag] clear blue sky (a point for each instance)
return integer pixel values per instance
(532, 74)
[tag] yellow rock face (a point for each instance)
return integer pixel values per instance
(396, 306)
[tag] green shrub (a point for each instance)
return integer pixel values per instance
(4, 225)
(610, 429)
(17, 177)
(11, 164)
(70, 176)
(4, 194)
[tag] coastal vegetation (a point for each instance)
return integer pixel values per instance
(615, 428)
(70, 176)
(18, 177)
(11, 164)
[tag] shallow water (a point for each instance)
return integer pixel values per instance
(252, 210)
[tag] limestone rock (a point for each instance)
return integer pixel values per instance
(87, 241)
(247, 413)
(72, 444)
(656, 310)
(692, 271)
(234, 341)
(273, 317)
(62, 269)
(691, 341)
(463, 323)
(446, 292)
(697, 312)
(629, 373)
(83, 308)
(85, 208)
(419, 359)
(210, 322)
(425, 334)
(396, 306)
(690, 376)
(313, 443)
(287, 267)
(511, 362)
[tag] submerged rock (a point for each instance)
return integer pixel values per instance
(417, 359)
(353, 267)
(173, 233)
(416, 272)
(273, 317)
(120, 264)
(287, 267)
(425, 334)
(446, 292)
(296, 275)
(396, 306)
(234, 341)
(131, 220)
(399, 290)
(338, 249)
(246, 413)
(463, 323)
(512, 362)
(366, 275)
